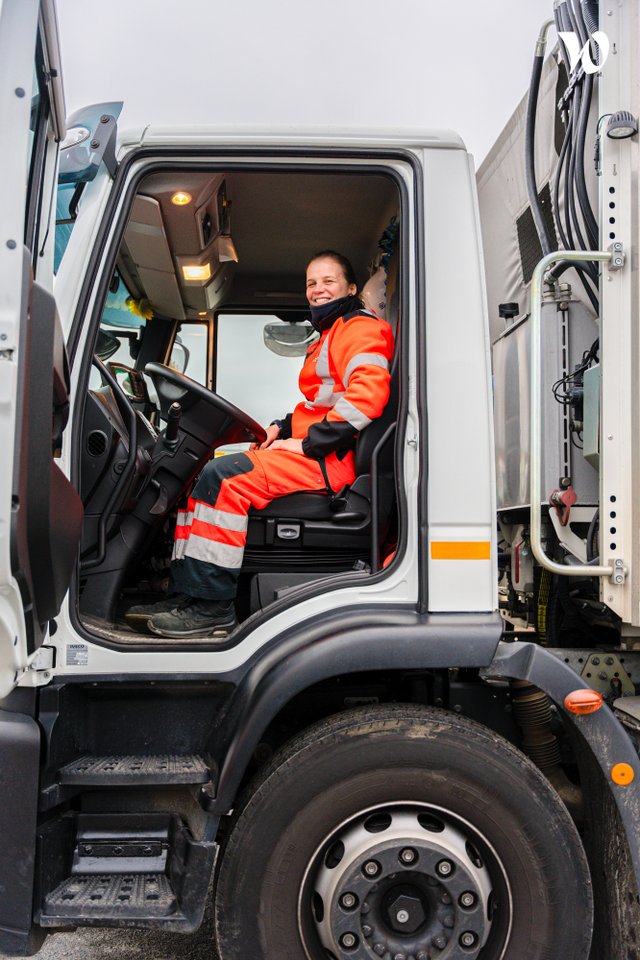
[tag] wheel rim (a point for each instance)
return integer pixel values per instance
(404, 882)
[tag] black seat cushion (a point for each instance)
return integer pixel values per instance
(306, 505)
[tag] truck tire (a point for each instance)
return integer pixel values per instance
(402, 832)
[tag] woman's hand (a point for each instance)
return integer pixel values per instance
(294, 445)
(273, 432)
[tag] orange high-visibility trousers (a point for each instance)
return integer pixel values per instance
(211, 533)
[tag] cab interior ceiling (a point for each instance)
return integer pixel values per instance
(277, 221)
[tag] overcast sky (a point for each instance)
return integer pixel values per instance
(462, 64)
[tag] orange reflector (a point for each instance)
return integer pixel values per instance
(583, 701)
(622, 774)
(460, 550)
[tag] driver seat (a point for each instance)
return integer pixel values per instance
(310, 530)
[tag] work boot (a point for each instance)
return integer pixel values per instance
(139, 615)
(196, 618)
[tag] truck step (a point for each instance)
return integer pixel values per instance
(81, 899)
(134, 771)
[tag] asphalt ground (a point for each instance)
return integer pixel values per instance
(106, 944)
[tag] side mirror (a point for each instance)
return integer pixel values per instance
(289, 339)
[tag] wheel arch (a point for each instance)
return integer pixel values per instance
(603, 739)
(346, 644)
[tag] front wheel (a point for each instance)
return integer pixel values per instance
(402, 833)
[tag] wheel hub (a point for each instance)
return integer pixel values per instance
(401, 884)
(405, 910)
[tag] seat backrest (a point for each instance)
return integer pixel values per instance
(371, 435)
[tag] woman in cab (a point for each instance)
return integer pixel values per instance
(345, 385)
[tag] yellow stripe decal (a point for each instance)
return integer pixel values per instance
(461, 550)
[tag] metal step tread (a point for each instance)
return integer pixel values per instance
(133, 896)
(124, 771)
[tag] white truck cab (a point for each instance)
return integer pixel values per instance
(381, 759)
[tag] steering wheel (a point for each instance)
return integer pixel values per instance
(205, 414)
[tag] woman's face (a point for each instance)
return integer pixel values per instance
(326, 281)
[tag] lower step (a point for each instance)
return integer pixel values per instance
(127, 896)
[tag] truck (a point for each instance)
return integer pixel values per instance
(421, 741)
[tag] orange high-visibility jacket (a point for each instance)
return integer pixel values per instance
(345, 379)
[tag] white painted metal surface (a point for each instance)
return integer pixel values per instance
(460, 419)
(18, 25)
(620, 304)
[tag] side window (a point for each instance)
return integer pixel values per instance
(190, 351)
(262, 383)
(120, 330)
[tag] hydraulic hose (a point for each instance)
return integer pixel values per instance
(590, 14)
(571, 169)
(581, 268)
(556, 185)
(577, 23)
(530, 163)
(562, 24)
(591, 536)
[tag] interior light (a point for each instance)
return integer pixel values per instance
(583, 701)
(202, 313)
(621, 125)
(181, 199)
(196, 271)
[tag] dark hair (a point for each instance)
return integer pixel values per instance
(343, 263)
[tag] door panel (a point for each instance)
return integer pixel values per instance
(47, 512)
(40, 511)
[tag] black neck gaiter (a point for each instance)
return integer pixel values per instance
(323, 317)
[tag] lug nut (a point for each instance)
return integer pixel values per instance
(408, 855)
(371, 868)
(379, 949)
(439, 942)
(445, 868)
(399, 956)
(467, 939)
(367, 930)
(348, 901)
(348, 941)
(467, 899)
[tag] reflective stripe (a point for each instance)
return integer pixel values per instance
(209, 551)
(362, 359)
(325, 396)
(220, 518)
(351, 414)
(460, 550)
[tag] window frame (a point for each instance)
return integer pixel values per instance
(195, 321)
(38, 158)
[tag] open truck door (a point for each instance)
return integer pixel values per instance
(40, 511)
